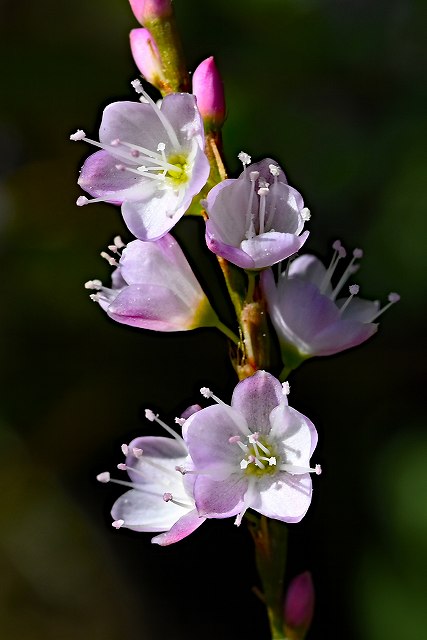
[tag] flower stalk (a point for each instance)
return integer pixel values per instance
(270, 539)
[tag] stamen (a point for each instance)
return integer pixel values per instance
(357, 254)
(234, 439)
(339, 252)
(207, 393)
(78, 135)
(118, 242)
(165, 122)
(286, 388)
(93, 284)
(81, 201)
(354, 290)
(250, 233)
(392, 299)
(262, 192)
(111, 261)
(168, 497)
(150, 415)
(103, 477)
(297, 471)
(244, 158)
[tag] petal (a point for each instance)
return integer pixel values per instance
(227, 207)
(272, 247)
(220, 499)
(227, 251)
(359, 309)
(207, 435)
(285, 497)
(299, 312)
(135, 123)
(283, 209)
(144, 509)
(256, 397)
(152, 307)
(182, 112)
(100, 177)
(342, 335)
(295, 434)
(167, 453)
(151, 217)
(309, 268)
(181, 529)
(161, 262)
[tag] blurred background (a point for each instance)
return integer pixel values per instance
(336, 92)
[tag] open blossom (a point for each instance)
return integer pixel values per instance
(160, 498)
(309, 318)
(256, 220)
(153, 287)
(151, 161)
(253, 454)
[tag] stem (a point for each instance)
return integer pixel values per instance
(251, 285)
(228, 332)
(270, 538)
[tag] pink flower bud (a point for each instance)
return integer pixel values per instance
(147, 10)
(209, 91)
(146, 55)
(299, 605)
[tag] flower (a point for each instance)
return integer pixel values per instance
(209, 91)
(153, 287)
(151, 161)
(160, 497)
(253, 454)
(255, 220)
(299, 606)
(308, 318)
(146, 56)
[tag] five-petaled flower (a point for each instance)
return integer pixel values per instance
(253, 454)
(308, 317)
(151, 161)
(153, 287)
(257, 219)
(160, 497)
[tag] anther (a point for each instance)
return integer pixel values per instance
(354, 290)
(117, 524)
(118, 242)
(115, 142)
(150, 415)
(125, 449)
(111, 261)
(286, 388)
(103, 477)
(93, 284)
(137, 452)
(244, 158)
(167, 497)
(253, 175)
(393, 297)
(78, 135)
(122, 466)
(358, 253)
(137, 85)
(234, 439)
(305, 214)
(180, 421)
(81, 201)
(274, 170)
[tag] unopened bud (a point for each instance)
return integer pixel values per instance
(146, 56)
(148, 10)
(209, 91)
(299, 606)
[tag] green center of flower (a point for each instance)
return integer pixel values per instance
(178, 175)
(260, 456)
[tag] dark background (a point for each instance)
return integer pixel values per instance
(336, 92)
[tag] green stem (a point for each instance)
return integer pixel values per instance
(270, 538)
(251, 285)
(228, 332)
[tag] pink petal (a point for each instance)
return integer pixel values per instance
(181, 529)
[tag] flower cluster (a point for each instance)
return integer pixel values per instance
(252, 454)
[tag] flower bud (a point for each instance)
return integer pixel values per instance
(209, 91)
(299, 606)
(146, 56)
(148, 10)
